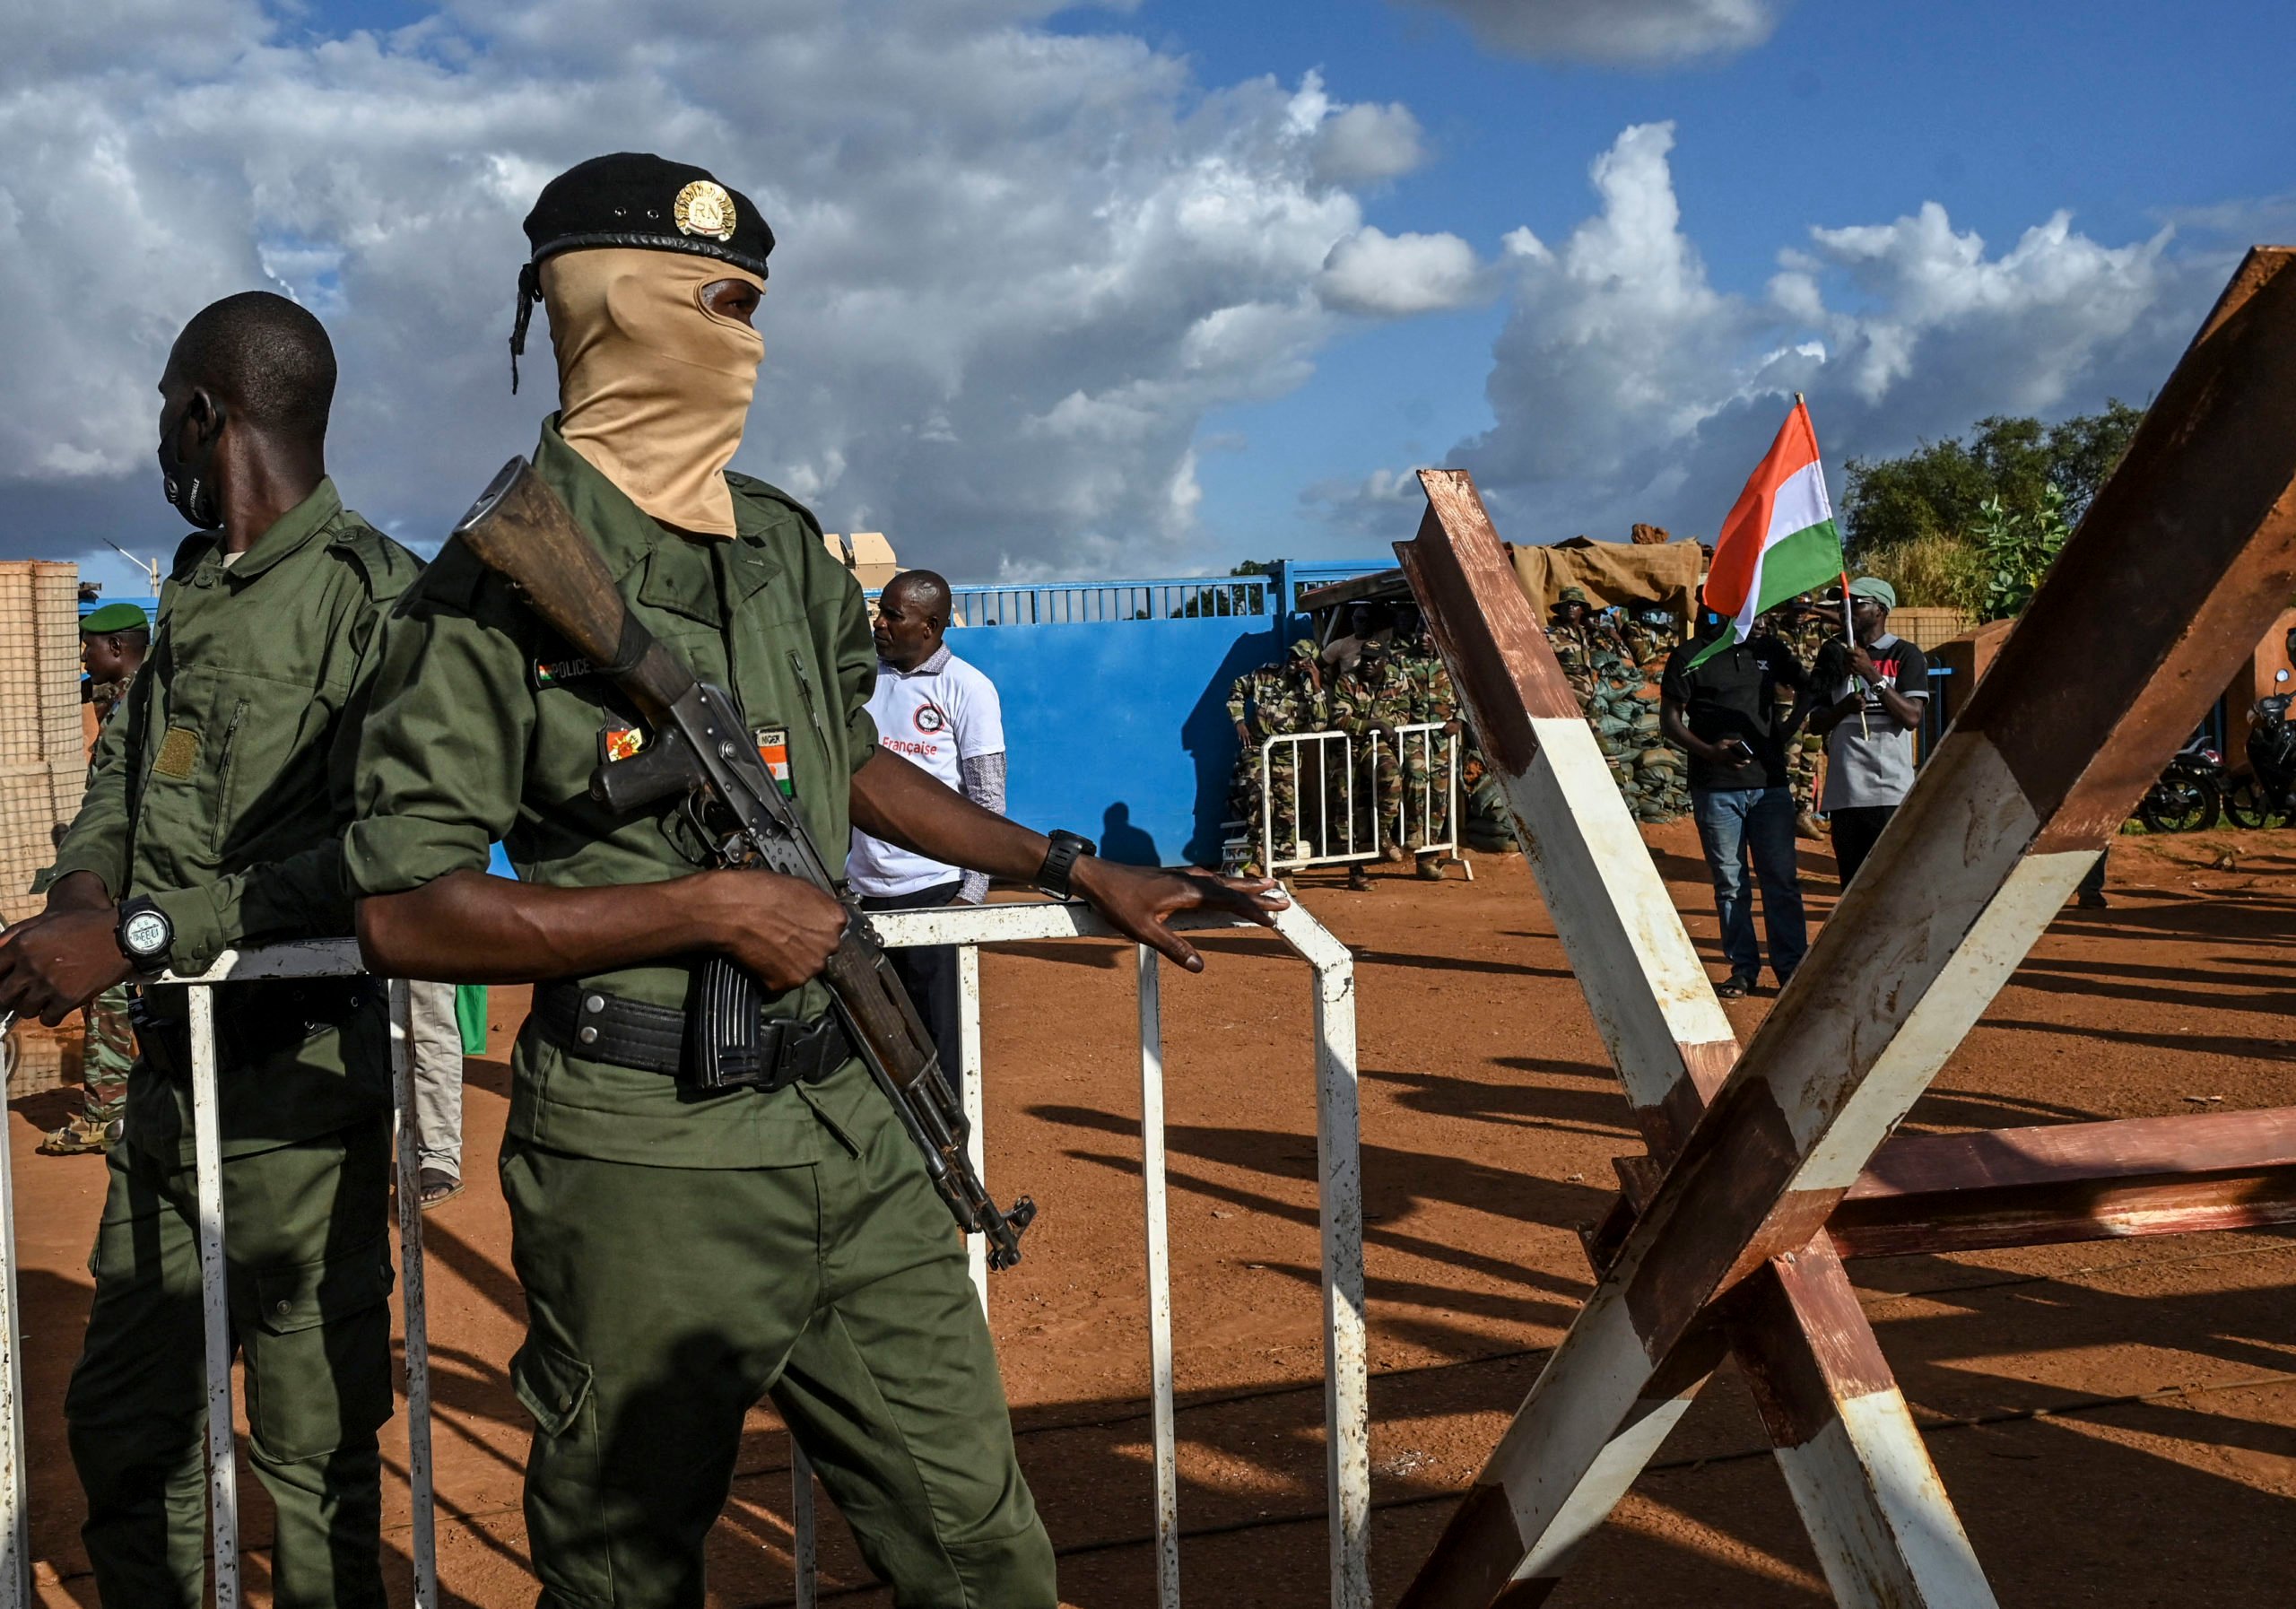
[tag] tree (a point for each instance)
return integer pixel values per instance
(1945, 521)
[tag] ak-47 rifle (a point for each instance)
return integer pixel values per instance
(699, 746)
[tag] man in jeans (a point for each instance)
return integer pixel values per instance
(1879, 686)
(1724, 714)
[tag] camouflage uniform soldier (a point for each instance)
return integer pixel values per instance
(112, 644)
(1804, 630)
(1650, 637)
(1272, 701)
(1382, 700)
(1571, 633)
(1426, 772)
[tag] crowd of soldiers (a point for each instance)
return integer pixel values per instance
(1385, 674)
(1610, 663)
(1383, 792)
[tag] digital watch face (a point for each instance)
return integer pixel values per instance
(147, 933)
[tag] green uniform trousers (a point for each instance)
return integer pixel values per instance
(662, 1303)
(305, 1233)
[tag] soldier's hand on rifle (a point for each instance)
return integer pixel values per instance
(1137, 900)
(781, 929)
(63, 958)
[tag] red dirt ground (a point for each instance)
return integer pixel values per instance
(2113, 1420)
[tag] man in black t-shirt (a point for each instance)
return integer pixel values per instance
(1725, 715)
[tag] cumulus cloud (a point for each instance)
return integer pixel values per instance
(1017, 269)
(1650, 32)
(1366, 144)
(1391, 275)
(1625, 385)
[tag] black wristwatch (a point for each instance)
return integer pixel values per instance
(1060, 860)
(146, 935)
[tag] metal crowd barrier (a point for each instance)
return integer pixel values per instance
(1436, 832)
(1340, 1197)
(1323, 802)
(1325, 828)
(1347, 1415)
(315, 958)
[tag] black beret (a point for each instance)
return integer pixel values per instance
(635, 198)
(632, 198)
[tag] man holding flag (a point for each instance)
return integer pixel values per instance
(1719, 700)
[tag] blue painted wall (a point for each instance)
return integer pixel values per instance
(1117, 728)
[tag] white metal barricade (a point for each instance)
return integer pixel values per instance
(1428, 816)
(1347, 1470)
(317, 958)
(1346, 1403)
(1324, 827)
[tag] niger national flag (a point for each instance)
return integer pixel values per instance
(1780, 541)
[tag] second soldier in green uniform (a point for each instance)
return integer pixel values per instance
(215, 819)
(684, 1253)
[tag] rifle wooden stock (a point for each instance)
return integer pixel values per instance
(522, 531)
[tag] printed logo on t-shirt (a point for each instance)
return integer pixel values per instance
(931, 718)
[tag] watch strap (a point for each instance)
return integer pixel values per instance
(1060, 860)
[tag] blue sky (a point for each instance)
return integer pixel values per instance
(1148, 290)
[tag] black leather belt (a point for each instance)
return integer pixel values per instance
(599, 1027)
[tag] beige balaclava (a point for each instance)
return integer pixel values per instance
(654, 389)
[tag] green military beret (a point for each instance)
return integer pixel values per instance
(115, 617)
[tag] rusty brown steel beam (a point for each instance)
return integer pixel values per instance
(2186, 554)
(2071, 1181)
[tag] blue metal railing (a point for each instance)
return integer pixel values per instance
(1081, 602)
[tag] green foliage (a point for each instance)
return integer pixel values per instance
(1930, 571)
(2017, 548)
(1972, 522)
(1941, 487)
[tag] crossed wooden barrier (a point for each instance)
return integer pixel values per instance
(1766, 1166)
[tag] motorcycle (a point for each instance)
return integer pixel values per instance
(2268, 792)
(2189, 797)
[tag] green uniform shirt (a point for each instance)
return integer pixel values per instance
(222, 791)
(484, 729)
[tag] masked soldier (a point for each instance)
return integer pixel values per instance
(113, 642)
(686, 1252)
(215, 819)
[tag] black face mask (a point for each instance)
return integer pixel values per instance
(190, 489)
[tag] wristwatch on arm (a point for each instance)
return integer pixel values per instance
(1060, 860)
(146, 937)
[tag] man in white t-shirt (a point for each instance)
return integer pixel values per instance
(1879, 686)
(941, 715)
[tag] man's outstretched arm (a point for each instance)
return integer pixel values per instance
(900, 804)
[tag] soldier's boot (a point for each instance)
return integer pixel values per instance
(1359, 879)
(1805, 825)
(83, 1136)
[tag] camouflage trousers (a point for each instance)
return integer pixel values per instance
(1424, 793)
(107, 1053)
(1282, 793)
(1802, 757)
